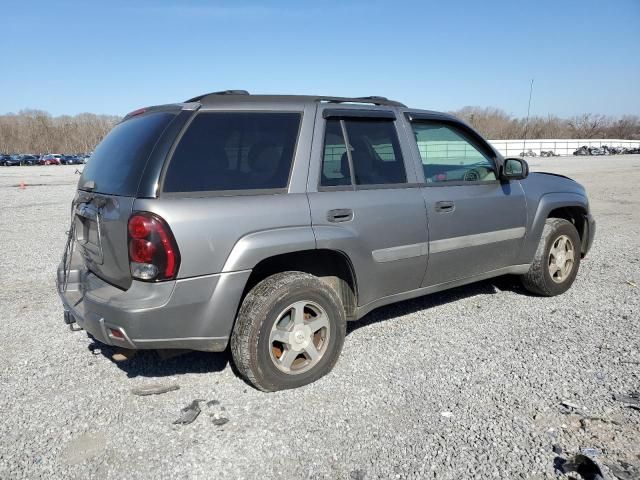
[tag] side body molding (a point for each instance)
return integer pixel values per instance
(546, 204)
(257, 246)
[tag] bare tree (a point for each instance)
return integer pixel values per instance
(587, 125)
(497, 124)
(627, 126)
(492, 122)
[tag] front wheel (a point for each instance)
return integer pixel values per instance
(556, 261)
(289, 332)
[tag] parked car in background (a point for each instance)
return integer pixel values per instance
(11, 160)
(51, 159)
(83, 157)
(30, 160)
(71, 160)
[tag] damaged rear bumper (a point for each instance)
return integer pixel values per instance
(194, 313)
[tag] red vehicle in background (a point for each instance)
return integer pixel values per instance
(51, 159)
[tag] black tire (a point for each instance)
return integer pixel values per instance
(250, 341)
(538, 279)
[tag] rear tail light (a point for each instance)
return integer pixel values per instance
(153, 252)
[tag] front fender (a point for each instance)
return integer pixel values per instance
(547, 203)
(255, 247)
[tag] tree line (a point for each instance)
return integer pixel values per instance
(37, 132)
(496, 124)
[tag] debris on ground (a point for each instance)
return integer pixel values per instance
(155, 389)
(580, 464)
(123, 354)
(571, 406)
(624, 471)
(632, 400)
(446, 414)
(217, 418)
(591, 452)
(632, 283)
(219, 421)
(633, 397)
(606, 150)
(189, 413)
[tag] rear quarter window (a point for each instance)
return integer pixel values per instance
(119, 160)
(227, 151)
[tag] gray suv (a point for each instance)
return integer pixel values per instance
(268, 222)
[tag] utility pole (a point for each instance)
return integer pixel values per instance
(526, 125)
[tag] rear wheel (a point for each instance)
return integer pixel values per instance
(289, 331)
(556, 261)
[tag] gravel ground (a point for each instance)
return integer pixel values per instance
(462, 384)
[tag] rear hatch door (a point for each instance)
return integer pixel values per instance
(107, 190)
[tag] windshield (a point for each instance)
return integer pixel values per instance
(119, 160)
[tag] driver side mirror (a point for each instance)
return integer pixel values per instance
(514, 169)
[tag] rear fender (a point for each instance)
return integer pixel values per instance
(255, 247)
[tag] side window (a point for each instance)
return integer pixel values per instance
(234, 151)
(374, 148)
(335, 164)
(447, 156)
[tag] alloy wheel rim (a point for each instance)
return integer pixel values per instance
(299, 337)
(561, 259)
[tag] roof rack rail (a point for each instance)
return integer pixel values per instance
(370, 99)
(375, 100)
(222, 92)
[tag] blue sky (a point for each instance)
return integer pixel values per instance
(112, 57)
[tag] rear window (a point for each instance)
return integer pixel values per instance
(118, 161)
(234, 151)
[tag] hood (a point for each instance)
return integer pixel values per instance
(541, 183)
(556, 175)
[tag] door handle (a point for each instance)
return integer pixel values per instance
(445, 207)
(340, 215)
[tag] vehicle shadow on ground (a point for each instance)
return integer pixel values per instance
(149, 363)
(487, 287)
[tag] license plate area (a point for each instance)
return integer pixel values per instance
(88, 235)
